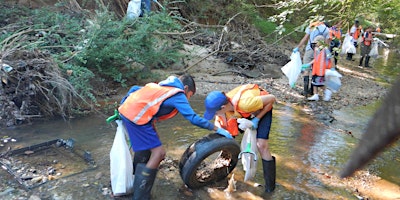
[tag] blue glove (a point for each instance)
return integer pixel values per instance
(295, 50)
(224, 132)
(305, 66)
(255, 121)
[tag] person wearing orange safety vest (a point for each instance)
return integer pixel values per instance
(141, 108)
(322, 61)
(335, 34)
(366, 46)
(355, 32)
(253, 103)
(313, 30)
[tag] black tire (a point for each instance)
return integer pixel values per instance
(195, 160)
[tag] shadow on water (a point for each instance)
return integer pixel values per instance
(309, 155)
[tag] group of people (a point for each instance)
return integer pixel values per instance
(366, 35)
(322, 50)
(143, 106)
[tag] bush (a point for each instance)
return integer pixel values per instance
(115, 45)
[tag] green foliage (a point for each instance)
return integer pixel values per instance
(115, 45)
(80, 78)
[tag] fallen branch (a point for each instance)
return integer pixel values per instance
(185, 70)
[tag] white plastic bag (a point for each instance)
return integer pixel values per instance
(293, 68)
(133, 10)
(244, 123)
(348, 45)
(374, 50)
(248, 153)
(332, 80)
(121, 169)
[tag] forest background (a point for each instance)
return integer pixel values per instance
(69, 57)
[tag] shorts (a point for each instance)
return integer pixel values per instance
(318, 81)
(365, 49)
(141, 137)
(264, 126)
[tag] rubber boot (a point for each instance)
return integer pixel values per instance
(361, 61)
(349, 56)
(306, 83)
(311, 90)
(144, 180)
(140, 157)
(269, 169)
(367, 61)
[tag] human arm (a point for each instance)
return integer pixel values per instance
(302, 42)
(181, 103)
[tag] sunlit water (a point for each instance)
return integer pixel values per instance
(307, 153)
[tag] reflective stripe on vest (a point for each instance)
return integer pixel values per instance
(141, 106)
(321, 63)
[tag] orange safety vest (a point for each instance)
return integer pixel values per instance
(231, 124)
(357, 33)
(367, 42)
(334, 34)
(141, 105)
(321, 63)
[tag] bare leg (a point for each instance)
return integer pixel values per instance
(157, 155)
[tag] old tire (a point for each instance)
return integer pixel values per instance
(208, 160)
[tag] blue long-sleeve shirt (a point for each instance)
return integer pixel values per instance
(178, 101)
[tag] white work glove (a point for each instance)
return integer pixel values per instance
(244, 123)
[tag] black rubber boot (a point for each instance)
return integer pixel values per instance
(367, 61)
(349, 56)
(361, 61)
(306, 83)
(144, 180)
(140, 157)
(269, 169)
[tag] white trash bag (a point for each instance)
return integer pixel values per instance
(121, 169)
(348, 45)
(134, 9)
(332, 80)
(374, 50)
(293, 68)
(248, 149)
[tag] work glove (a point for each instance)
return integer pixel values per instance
(255, 121)
(244, 123)
(305, 66)
(295, 50)
(224, 132)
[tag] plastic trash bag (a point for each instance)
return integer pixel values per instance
(348, 45)
(332, 80)
(293, 68)
(374, 50)
(133, 10)
(121, 169)
(248, 153)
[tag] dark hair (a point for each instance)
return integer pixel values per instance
(189, 81)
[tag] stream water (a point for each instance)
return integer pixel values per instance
(308, 154)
